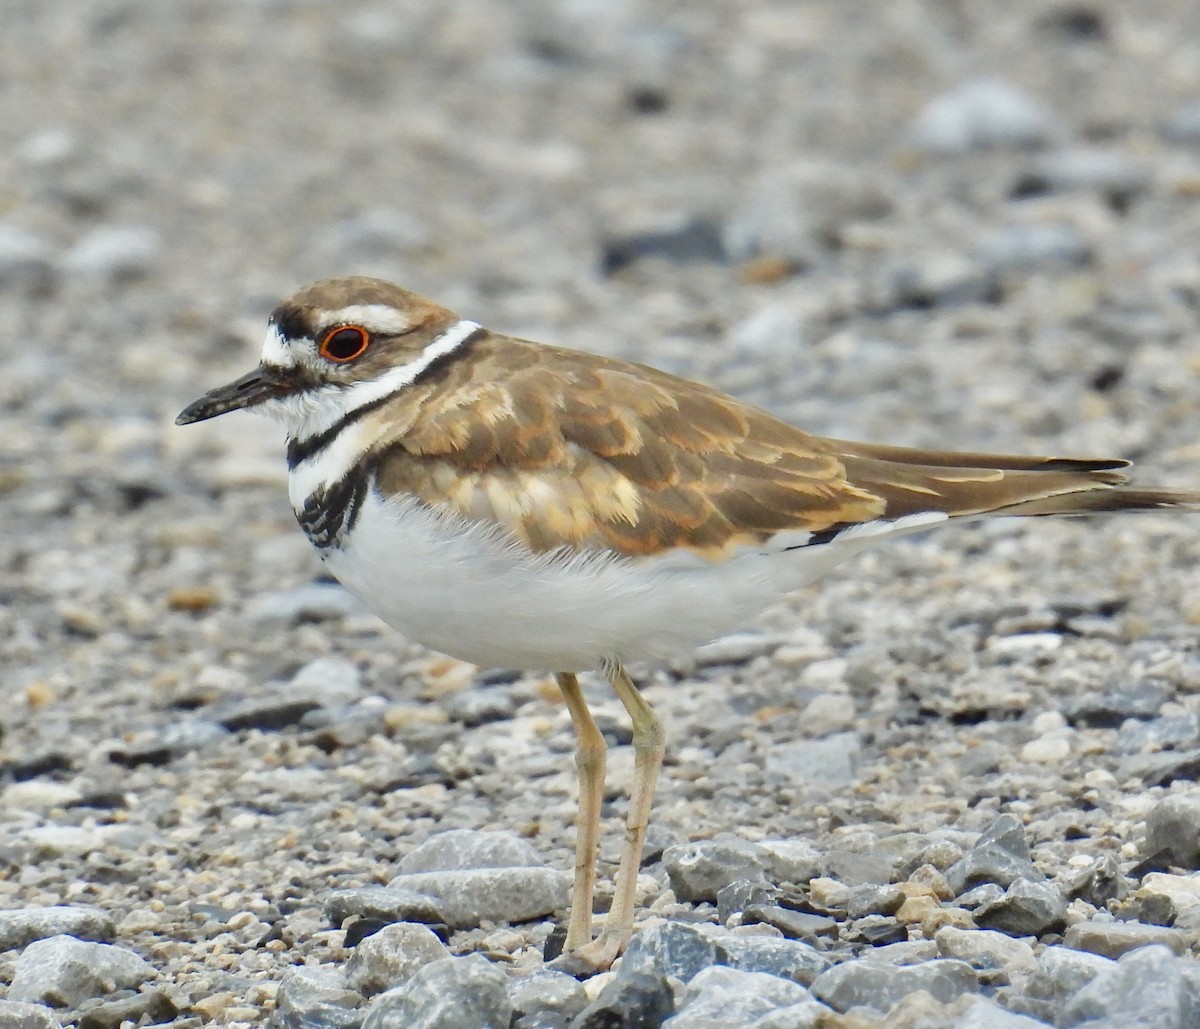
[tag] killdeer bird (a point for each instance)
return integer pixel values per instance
(520, 505)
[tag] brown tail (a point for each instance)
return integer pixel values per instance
(965, 485)
(1098, 499)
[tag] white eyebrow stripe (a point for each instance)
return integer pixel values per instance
(367, 392)
(373, 317)
(275, 351)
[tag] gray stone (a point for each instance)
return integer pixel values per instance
(1147, 987)
(809, 1014)
(985, 1013)
(454, 993)
(547, 993)
(638, 999)
(392, 956)
(934, 280)
(1098, 883)
(979, 115)
(270, 711)
(470, 896)
(170, 741)
(1018, 248)
(311, 602)
(989, 756)
(1173, 830)
(47, 148)
(376, 232)
(874, 900)
(316, 998)
(55, 841)
(700, 870)
(876, 985)
(460, 849)
(687, 240)
(15, 1015)
(1164, 899)
(1162, 769)
(1062, 972)
(999, 958)
(743, 893)
(146, 1007)
(1106, 171)
(790, 959)
(328, 681)
(774, 330)
(875, 930)
(1115, 706)
(115, 253)
(1026, 909)
(481, 706)
(383, 902)
(719, 997)
(673, 949)
(856, 868)
(984, 893)
(1183, 124)
(63, 971)
(831, 761)
(1112, 939)
(1171, 732)
(25, 260)
(796, 924)
(23, 926)
(1000, 855)
(797, 212)
(907, 952)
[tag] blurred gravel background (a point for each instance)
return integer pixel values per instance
(926, 222)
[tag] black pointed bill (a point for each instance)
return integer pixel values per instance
(263, 383)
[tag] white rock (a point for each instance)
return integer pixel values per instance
(1025, 643)
(329, 680)
(392, 956)
(471, 896)
(114, 252)
(981, 114)
(1046, 750)
(38, 795)
(63, 971)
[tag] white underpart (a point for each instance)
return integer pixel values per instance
(472, 591)
(312, 412)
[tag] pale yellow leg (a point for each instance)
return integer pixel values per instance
(590, 761)
(649, 743)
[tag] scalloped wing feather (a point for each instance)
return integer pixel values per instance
(567, 449)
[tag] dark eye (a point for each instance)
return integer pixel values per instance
(344, 343)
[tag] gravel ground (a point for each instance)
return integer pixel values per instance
(951, 785)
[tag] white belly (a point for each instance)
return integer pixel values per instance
(473, 593)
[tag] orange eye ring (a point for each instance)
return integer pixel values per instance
(344, 343)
